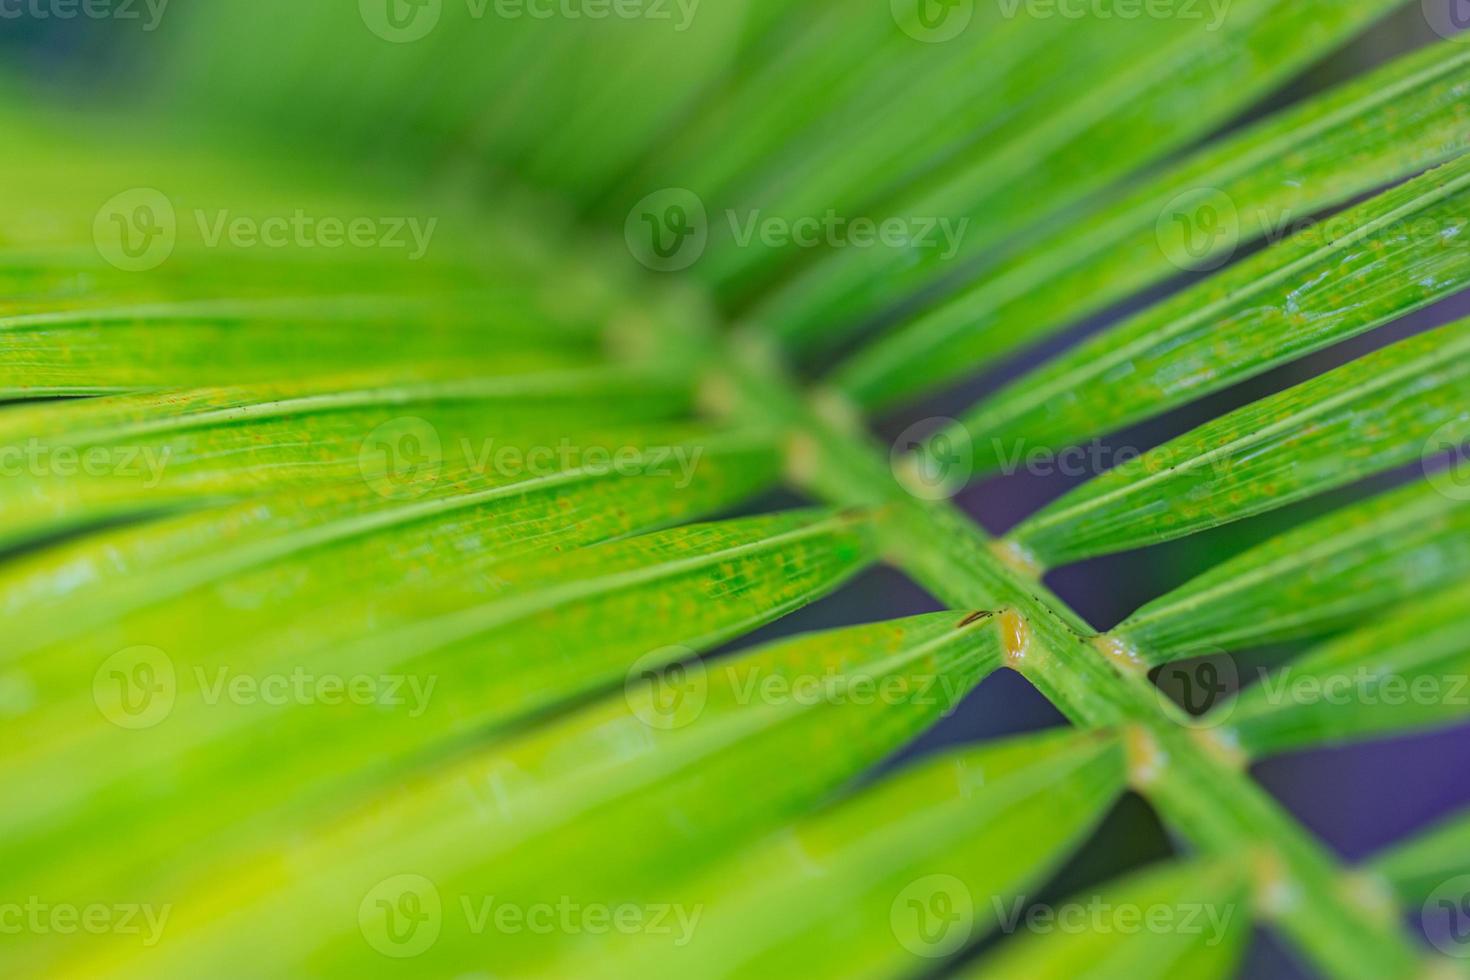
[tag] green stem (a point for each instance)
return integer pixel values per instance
(1195, 784)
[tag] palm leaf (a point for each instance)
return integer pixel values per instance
(332, 504)
(1258, 183)
(899, 876)
(462, 649)
(83, 462)
(1185, 920)
(1420, 865)
(1395, 254)
(1371, 415)
(535, 812)
(1407, 672)
(1325, 575)
(1054, 152)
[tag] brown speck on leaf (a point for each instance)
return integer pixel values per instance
(974, 617)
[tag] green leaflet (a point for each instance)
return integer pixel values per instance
(893, 879)
(1406, 671)
(273, 558)
(1365, 267)
(1368, 132)
(74, 463)
(1333, 572)
(631, 105)
(1183, 80)
(1380, 411)
(1417, 867)
(794, 90)
(93, 351)
(258, 237)
(609, 804)
(915, 107)
(371, 584)
(614, 83)
(1173, 920)
(110, 733)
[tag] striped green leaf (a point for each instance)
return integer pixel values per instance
(74, 463)
(125, 719)
(1330, 573)
(800, 87)
(848, 153)
(275, 558)
(1418, 866)
(95, 350)
(1160, 83)
(609, 805)
(1365, 267)
(1385, 125)
(615, 83)
(1383, 410)
(1175, 920)
(897, 878)
(1403, 672)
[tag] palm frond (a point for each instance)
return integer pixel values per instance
(353, 597)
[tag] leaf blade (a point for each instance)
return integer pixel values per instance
(542, 809)
(1375, 413)
(1211, 895)
(1394, 254)
(1409, 671)
(1330, 573)
(1134, 109)
(1310, 156)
